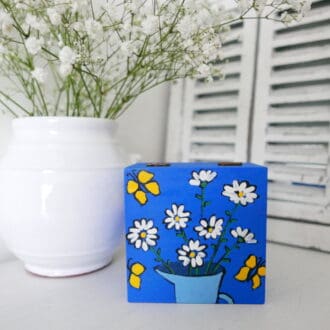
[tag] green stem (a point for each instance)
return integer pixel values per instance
(221, 237)
(96, 112)
(182, 234)
(225, 255)
(164, 263)
(14, 102)
(202, 201)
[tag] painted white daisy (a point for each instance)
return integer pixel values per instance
(176, 217)
(192, 254)
(211, 228)
(202, 178)
(143, 234)
(243, 235)
(240, 192)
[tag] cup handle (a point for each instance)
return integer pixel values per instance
(228, 299)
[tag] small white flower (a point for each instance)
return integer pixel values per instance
(78, 5)
(39, 74)
(65, 69)
(94, 29)
(204, 70)
(54, 16)
(186, 27)
(67, 55)
(192, 254)
(244, 5)
(243, 235)
(240, 193)
(33, 22)
(150, 24)
(78, 26)
(6, 23)
(202, 178)
(3, 50)
(211, 228)
(177, 217)
(259, 5)
(143, 234)
(126, 48)
(33, 45)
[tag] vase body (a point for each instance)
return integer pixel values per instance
(61, 207)
(196, 289)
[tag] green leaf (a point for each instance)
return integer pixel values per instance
(158, 251)
(224, 240)
(206, 203)
(179, 234)
(237, 247)
(227, 249)
(213, 246)
(226, 260)
(198, 196)
(228, 212)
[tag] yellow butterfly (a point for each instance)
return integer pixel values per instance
(252, 270)
(136, 270)
(142, 184)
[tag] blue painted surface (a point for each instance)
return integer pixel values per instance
(175, 188)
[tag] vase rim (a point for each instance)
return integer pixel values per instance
(63, 120)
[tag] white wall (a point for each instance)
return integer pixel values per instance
(4, 133)
(141, 130)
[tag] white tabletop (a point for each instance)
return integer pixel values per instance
(298, 297)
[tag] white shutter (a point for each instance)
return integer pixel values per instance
(292, 126)
(210, 121)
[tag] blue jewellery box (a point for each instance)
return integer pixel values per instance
(196, 232)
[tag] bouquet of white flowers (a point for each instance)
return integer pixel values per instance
(93, 58)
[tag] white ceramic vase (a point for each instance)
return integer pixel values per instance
(61, 199)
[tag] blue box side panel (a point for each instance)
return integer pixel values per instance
(243, 262)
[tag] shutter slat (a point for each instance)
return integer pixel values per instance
(297, 153)
(230, 68)
(299, 234)
(213, 140)
(306, 57)
(314, 74)
(302, 38)
(299, 98)
(213, 105)
(225, 86)
(231, 121)
(194, 156)
(306, 114)
(307, 212)
(297, 193)
(298, 174)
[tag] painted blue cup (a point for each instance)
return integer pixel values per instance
(202, 289)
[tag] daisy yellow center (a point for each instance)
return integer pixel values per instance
(177, 218)
(192, 254)
(240, 194)
(210, 229)
(143, 234)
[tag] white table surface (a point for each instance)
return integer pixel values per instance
(298, 297)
